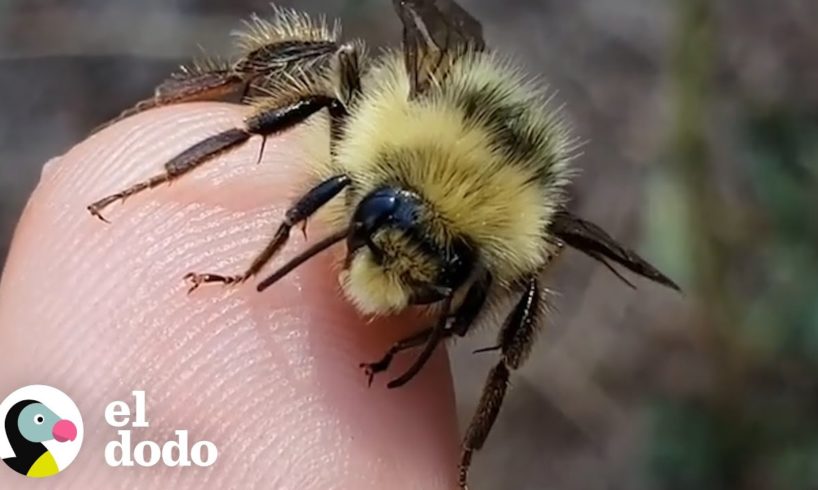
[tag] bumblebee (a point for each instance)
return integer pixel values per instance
(447, 177)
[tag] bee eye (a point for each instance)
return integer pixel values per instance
(375, 208)
(39, 419)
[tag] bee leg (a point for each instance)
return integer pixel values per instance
(177, 166)
(460, 322)
(515, 339)
(264, 123)
(308, 204)
(186, 87)
(494, 392)
(432, 341)
(410, 342)
(216, 82)
(269, 121)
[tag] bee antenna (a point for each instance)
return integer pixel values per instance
(301, 258)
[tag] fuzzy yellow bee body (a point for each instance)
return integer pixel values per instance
(483, 152)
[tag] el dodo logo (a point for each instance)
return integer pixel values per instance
(148, 453)
(42, 431)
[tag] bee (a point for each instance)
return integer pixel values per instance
(447, 178)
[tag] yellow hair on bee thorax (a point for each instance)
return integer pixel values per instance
(284, 25)
(481, 186)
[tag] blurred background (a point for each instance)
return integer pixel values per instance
(701, 122)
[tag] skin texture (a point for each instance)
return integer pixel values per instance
(272, 378)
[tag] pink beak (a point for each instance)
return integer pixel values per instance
(64, 430)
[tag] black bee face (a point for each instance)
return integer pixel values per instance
(391, 223)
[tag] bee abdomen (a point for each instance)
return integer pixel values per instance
(504, 122)
(514, 114)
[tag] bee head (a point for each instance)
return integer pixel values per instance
(394, 256)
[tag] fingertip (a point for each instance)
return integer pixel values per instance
(100, 309)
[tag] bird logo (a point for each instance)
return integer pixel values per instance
(43, 431)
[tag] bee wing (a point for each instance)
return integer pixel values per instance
(596, 243)
(435, 33)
